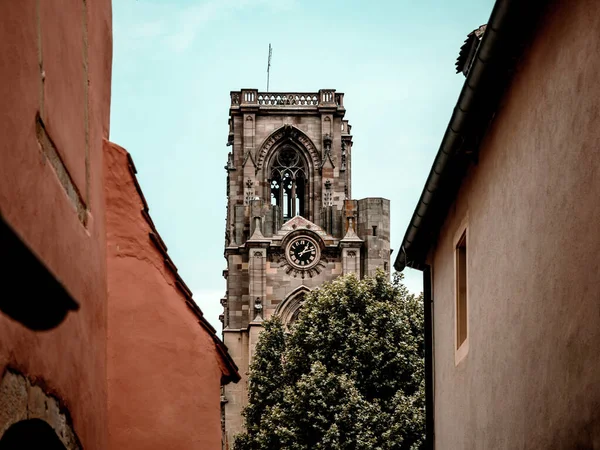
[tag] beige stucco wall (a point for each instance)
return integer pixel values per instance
(531, 376)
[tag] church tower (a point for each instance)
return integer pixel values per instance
(291, 224)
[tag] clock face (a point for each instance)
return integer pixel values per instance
(303, 252)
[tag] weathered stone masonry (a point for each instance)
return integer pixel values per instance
(291, 224)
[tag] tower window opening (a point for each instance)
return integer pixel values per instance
(274, 192)
(374, 230)
(289, 182)
(286, 209)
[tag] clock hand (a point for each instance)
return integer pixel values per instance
(306, 249)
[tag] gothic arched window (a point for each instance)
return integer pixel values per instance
(291, 307)
(289, 182)
(296, 313)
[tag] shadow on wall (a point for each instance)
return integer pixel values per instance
(39, 306)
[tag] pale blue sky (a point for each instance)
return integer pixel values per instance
(176, 61)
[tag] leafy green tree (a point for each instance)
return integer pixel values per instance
(348, 375)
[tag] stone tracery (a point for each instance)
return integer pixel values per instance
(288, 182)
(289, 133)
(289, 309)
(289, 162)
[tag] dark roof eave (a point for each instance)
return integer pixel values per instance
(481, 92)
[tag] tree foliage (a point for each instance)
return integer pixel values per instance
(348, 375)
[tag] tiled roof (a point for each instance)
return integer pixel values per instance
(181, 286)
(468, 49)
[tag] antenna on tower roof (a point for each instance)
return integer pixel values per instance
(269, 66)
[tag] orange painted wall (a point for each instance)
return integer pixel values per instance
(163, 368)
(530, 377)
(56, 62)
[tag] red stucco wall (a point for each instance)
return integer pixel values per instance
(530, 377)
(163, 368)
(56, 62)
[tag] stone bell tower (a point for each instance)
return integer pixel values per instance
(291, 224)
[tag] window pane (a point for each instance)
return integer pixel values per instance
(461, 290)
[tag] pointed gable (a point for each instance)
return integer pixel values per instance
(299, 222)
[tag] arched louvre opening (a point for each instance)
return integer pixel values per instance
(289, 182)
(296, 313)
(291, 307)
